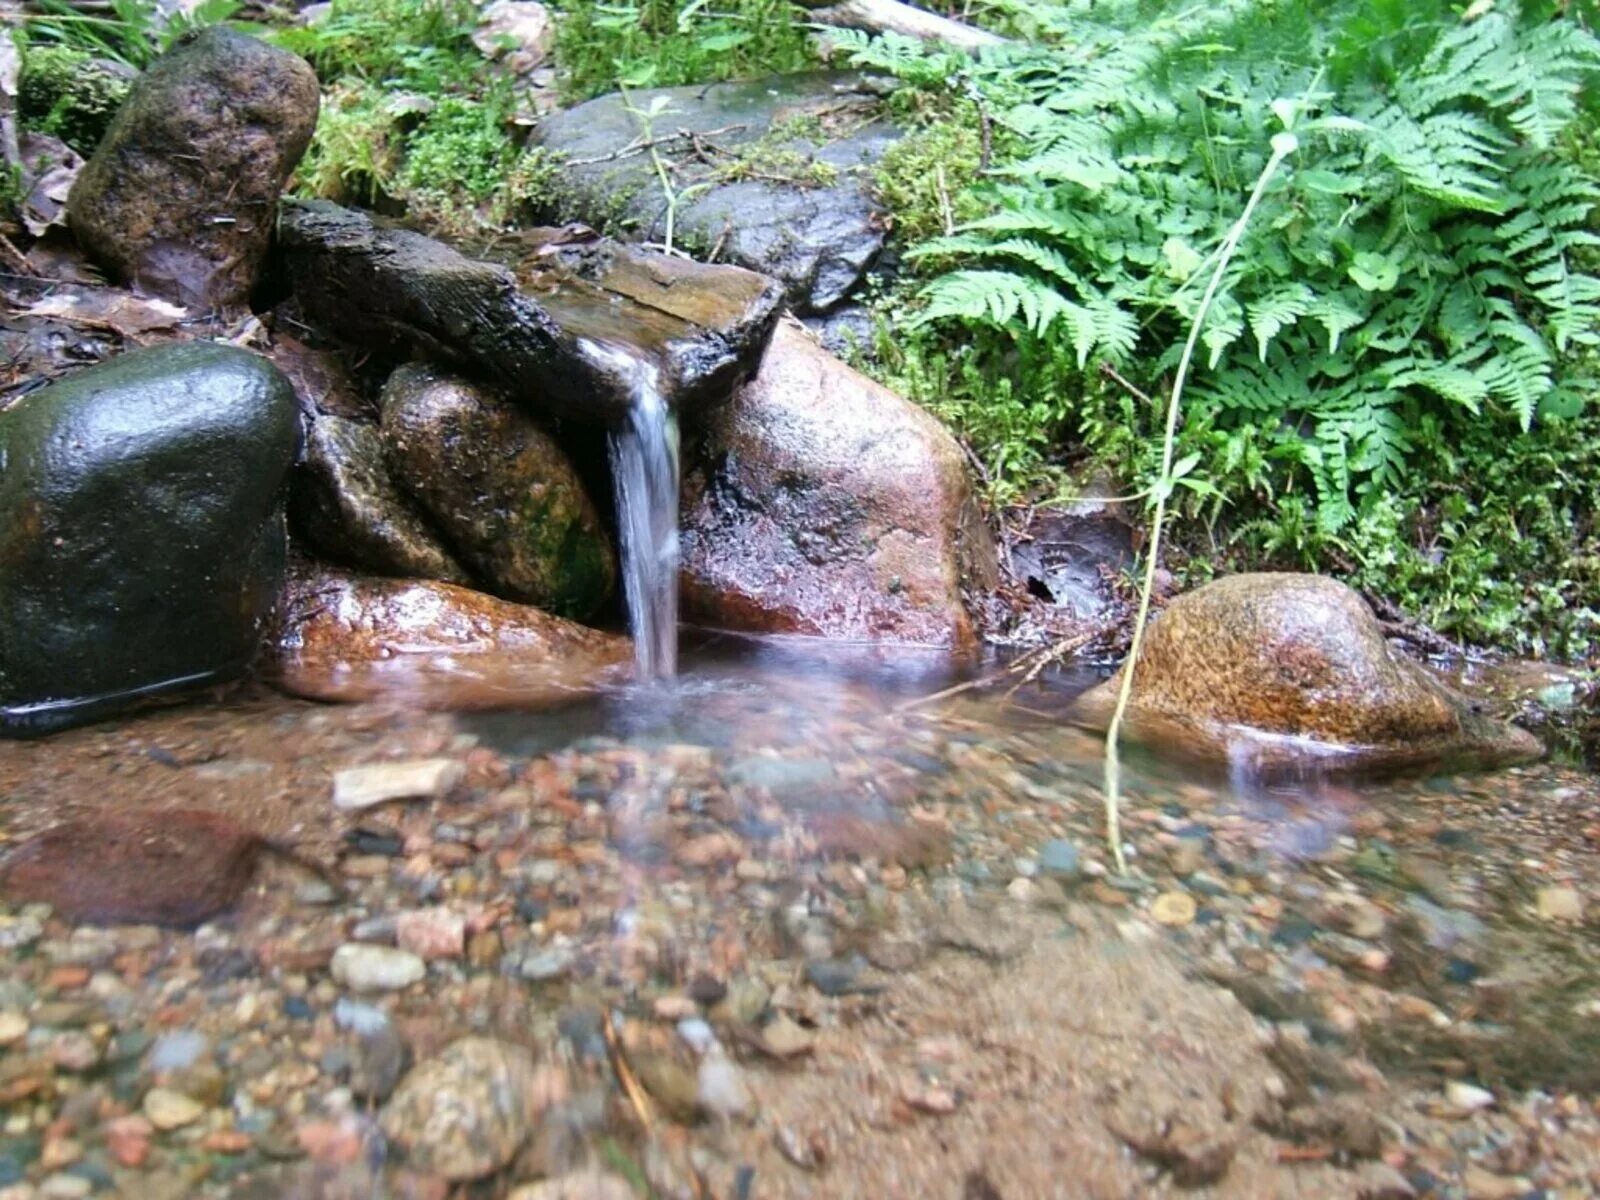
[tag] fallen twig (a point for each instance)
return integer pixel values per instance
(644, 145)
(630, 1082)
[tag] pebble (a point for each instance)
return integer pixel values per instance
(13, 1028)
(465, 1113)
(720, 1088)
(166, 1109)
(785, 1037)
(419, 779)
(432, 933)
(1173, 909)
(1559, 904)
(547, 965)
(697, 1034)
(366, 968)
(359, 1018)
(581, 1185)
(1467, 1097)
(176, 1050)
(65, 1187)
(1059, 857)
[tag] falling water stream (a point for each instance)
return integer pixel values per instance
(644, 467)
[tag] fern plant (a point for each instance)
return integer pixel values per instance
(1422, 259)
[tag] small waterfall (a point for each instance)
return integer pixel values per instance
(644, 468)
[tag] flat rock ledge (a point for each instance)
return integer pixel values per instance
(569, 331)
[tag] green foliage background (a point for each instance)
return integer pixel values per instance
(1397, 378)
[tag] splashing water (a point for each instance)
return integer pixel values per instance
(644, 467)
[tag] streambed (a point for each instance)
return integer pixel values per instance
(887, 924)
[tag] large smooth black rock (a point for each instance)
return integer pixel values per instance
(141, 530)
(773, 174)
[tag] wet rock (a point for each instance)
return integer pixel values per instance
(1559, 904)
(141, 530)
(556, 339)
(464, 1114)
(419, 779)
(821, 503)
(351, 638)
(346, 507)
(787, 192)
(179, 198)
(1268, 669)
(499, 488)
(171, 867)
(367, 968)
(167, 1110)
(580, 1185)
(432, 933)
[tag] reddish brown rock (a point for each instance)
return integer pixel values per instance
(156, 867)
(820, 503)
(432, 645)
(1275, 669)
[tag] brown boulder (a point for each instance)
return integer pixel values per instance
(1277, 669)
(502, 492)
(432, 645)
(180, 198)
(821, 503)
(175, 867)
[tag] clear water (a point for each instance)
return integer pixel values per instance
(644, 468)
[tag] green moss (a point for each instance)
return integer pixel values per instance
(355, 150)
(660, 43)
(925, 180)
(67, 94)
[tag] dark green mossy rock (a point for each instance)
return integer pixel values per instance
(141, 530)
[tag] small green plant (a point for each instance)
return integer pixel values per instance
(67, 94)
(659, 43)
(132, 32)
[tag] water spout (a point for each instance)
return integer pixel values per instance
(644, 470)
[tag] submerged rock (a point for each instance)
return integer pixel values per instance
(433, 645)
(775, 173)
(141, 529)
(465, 1114)
(1273, 669)
(180, 197)
(577, 351)
(821, 503)
(504, 494)
(169, 867)
(346, 507)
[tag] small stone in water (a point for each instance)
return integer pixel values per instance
(166, 1109)
(1559, 904)
(363, 1020)
(697, 1034)
(1058, 857)
(1174, 909)
(364, 968)
(177, 1051)
(419, 779)
(13, 1028)
(432, 933)
(547, 965)
(1466, 1097)
(720, 1088)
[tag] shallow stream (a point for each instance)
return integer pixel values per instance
(887, 916)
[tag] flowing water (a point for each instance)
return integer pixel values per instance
(644, 468)
(849, 932)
